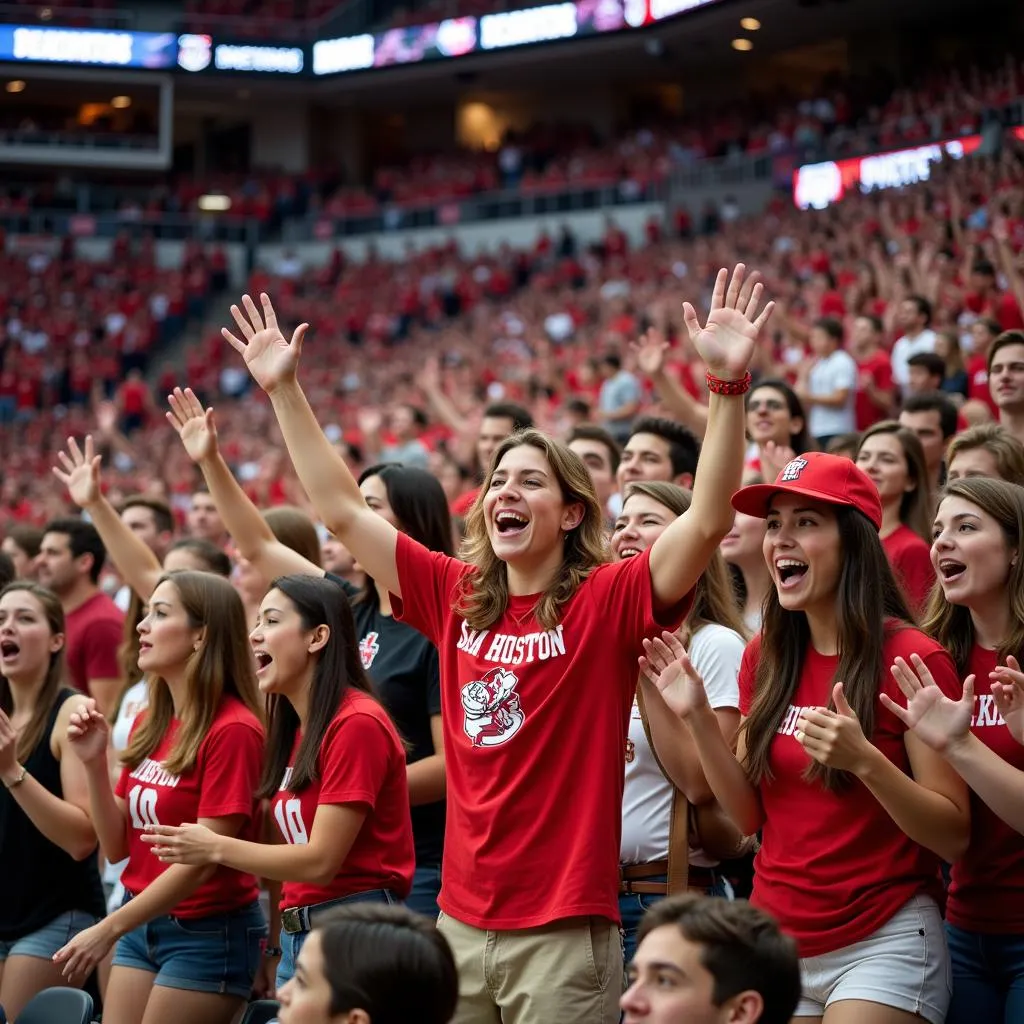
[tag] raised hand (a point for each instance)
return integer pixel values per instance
(650, 352)
(1008, 693)
(80, 473)
(667, 665)
(937, 721)
(88, 732)
(834, 738)
(271, 359)
(728, 339)
(193, 424)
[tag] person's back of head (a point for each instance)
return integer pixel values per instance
(390, 963)
(754, 968)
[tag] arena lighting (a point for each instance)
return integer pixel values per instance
(742, 45)
(287, 60)
(749, 24)
(121, 102)
(213, 203)
(16, 86)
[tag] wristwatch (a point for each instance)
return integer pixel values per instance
(19, 780)
(273, 951)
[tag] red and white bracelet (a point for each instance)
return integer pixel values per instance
(729, 387)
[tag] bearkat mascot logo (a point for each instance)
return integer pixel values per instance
(491, 704)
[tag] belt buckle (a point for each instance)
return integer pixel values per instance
(291, 920)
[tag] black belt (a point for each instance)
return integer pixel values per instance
(303, 919)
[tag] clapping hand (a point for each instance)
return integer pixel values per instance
(727, 340)
(834, 738)
(1008, 693)
(667, 665)
(271, 359)
(88, 732)
(937, 721)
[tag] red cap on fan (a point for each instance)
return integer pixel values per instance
(831, 479)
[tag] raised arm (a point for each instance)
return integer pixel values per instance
(726, 344)
(249, 531)
(136, 563)
(667, 669)
(650, 357)
(332, 488)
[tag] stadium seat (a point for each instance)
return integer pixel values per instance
(261, 1011)
(58, 1006)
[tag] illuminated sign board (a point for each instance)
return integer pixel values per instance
(98, 47)
(816, 186)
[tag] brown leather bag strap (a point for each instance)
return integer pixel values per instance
(679, 826)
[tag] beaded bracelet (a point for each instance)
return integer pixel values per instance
(729, 387)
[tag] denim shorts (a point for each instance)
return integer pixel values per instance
(291, 942)
(220, 953)
(903, 964)
(44, 942)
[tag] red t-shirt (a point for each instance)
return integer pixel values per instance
(93, 633)
(535, 722)
(911, 561)
(986, 893)
(361, 761)
(221, 783)
(834, 867)
(977, 382)
(464, 502)
(879, 366)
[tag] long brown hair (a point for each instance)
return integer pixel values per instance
(916, 506)
(338, 669)
(951, 624)
(484, 594)
(222, 666)
(867, 600)
(295, 530)
(53, 681)
(714, 599)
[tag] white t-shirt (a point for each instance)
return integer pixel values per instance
(836, 372)
(906, 347)
(136, 699)
(716, 652)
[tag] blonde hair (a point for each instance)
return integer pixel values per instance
(714, 597)
(483, 594)
(999, 442)
(221, 666)
(951, 624)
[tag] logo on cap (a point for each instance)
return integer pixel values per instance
(792, 471)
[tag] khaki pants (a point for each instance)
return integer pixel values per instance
(566, 972)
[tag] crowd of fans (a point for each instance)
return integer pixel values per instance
(853, 117)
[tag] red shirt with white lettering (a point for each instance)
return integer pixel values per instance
(220, 783)
(361, 762)
(833, 866)
(911, 561)
(535, 722)
(986, 893)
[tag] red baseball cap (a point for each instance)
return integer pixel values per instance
(831, 479)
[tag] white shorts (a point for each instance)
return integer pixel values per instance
(904, 964)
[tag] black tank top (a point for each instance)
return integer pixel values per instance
(38, 880)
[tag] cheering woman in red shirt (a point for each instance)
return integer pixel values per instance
(855, 810)
(188, 939)
(538, 643)
(335, 771)
(976, 613)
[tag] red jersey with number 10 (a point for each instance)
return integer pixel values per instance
(221, 783)
(361, 762)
